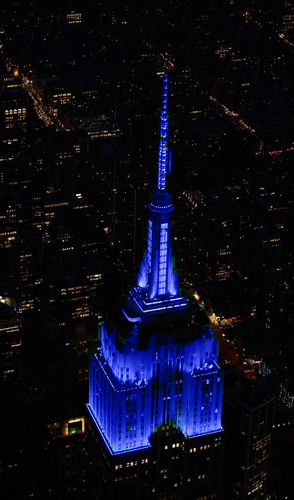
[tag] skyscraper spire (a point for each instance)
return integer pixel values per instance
(164, 155)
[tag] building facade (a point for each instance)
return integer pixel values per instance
(249, 412)
(155, 395)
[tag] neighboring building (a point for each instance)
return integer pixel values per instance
(16, 109)
(10, 343)
(248, 419)
(67, 458)
(74, 17)
(155, 398)
(288, 17)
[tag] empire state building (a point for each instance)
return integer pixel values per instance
(155, 390)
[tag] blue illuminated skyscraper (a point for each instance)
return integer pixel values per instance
(155, 383)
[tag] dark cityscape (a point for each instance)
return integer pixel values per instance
(146, 249)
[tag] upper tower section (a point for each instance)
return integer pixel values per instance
(157, 289)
